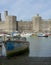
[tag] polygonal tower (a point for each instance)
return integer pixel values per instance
(36, 23)
(10, 23)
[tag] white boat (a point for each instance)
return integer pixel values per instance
(25, 34)
(42, 35)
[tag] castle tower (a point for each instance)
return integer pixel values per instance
(0, 16)
(6, 13)
(49, 21)
(36, 23)
(10, 24)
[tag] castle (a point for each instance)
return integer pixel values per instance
(41, 25)
(9, 25)
(37, 24)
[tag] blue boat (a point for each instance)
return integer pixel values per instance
(42, 35)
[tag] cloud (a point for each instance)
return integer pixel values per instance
(26, 9)
(5, 2)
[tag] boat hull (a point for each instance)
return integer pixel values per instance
(42, 36)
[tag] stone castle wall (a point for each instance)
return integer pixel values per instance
(36, 25)
(25, 26)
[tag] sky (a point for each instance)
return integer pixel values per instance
(26, 9)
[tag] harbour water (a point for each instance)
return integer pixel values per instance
(40, 53)
(40, 46)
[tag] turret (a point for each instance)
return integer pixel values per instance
(6, 13)
(0, 16)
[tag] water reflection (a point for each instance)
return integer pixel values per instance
(40, 46)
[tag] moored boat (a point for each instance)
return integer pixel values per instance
(14, 47)
(23, 34)
(42, 35)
